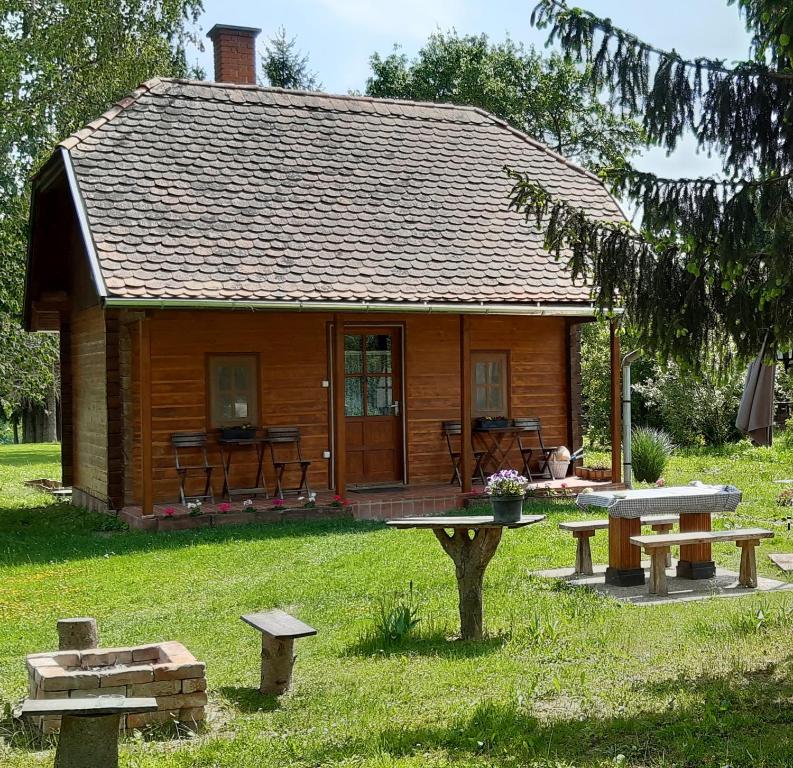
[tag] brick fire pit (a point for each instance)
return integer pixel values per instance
(166, 671)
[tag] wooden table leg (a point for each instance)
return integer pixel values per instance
(662, 528)
(88, 742)
(696, 560)
(747, 576)
(625, 559)
(583, 553)
(471, 550)
(658, 584)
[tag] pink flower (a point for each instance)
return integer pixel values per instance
(169, 512)
(224, 507)
(278, 502)
(660, 482)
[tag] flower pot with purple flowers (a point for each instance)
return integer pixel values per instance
(507, 489)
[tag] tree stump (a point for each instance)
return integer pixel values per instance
(278, 660)
(77, 634)
(471, 550)
(88, 742)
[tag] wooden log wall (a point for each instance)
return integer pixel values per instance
(293, 354)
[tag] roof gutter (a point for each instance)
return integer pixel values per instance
(568, 310)
(82, 220)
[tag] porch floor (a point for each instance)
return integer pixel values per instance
(361, 504)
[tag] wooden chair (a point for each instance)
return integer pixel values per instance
(193, 443)
(285, 451)
(527, 427)
(454, 429)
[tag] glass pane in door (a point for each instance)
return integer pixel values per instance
(378, 353)
(353, 397)
(353, 348)
(379, 396)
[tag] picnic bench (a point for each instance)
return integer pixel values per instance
(89, 727)
(658, 546)
(279, 632)
(584, 530)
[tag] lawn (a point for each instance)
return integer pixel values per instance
(564, 679)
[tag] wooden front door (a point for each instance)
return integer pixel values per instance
(372, 405)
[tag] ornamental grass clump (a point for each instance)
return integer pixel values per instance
(507, 482)
(651, 451)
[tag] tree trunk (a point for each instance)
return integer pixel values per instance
(51, 417)
(471, 555)
(15, 428)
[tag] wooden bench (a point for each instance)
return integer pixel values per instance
(89, 727)
(658, 547)
(584, 530)
(279, 632)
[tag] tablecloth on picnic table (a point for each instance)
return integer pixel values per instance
(694, 497)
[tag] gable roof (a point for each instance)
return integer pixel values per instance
(198, 191)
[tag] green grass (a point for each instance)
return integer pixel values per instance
(566, 679)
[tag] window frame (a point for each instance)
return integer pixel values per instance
(489, 355)
(254, 409)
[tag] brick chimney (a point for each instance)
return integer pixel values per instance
(235, 53)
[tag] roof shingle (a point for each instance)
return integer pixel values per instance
(208, 191)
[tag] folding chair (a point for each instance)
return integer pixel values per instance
(527, 427)
(285, 451)
(453, 429)
(193, 443)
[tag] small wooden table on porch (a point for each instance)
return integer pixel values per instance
(497, 443)
(227, 448)
(695, 503)
(471, 543)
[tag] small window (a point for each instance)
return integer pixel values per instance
(489, 384)
(233, 390)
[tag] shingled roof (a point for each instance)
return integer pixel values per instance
(204, 191)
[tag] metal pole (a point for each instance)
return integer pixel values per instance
(627, 476)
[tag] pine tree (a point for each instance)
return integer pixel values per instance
(284, 66)
(711, 264)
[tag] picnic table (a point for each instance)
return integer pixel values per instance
(471, 542)
(695, 503)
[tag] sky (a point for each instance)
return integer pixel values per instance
(340, 35)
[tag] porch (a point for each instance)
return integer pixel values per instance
(364, 504)
(370, 396)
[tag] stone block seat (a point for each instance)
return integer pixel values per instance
(166, 671)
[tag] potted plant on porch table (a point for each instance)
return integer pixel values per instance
(507, 489)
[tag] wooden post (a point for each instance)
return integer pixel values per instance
(583, 553)
(144, 386)
(339, 419)
(625, 559)
(616, 406)
(278, 659)
(77, 634)
(747, 577)
(466, 449)
(696, 560)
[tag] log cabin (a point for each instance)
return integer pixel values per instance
(218, 253)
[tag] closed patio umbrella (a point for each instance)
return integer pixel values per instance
(756, 411)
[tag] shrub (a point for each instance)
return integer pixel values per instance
(396, 617)
(651, 449)
(785, 498)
